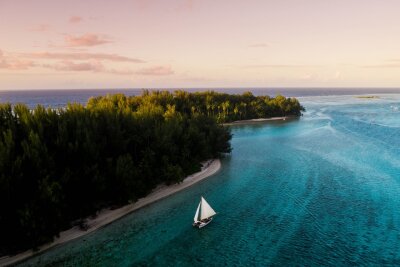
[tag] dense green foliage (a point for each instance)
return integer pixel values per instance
(60, 165)
(223, 107)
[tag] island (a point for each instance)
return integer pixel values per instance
(60, 166)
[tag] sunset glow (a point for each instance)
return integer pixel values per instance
(47, 44)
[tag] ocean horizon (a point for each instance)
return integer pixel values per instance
(60, 97)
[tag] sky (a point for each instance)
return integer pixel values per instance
(77, 44)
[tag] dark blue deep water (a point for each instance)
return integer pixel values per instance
(323, 190)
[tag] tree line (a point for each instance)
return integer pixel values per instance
(223, 107)
(58, 166)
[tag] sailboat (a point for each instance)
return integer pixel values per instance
(203, 214)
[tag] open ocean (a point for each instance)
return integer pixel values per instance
(322, 190)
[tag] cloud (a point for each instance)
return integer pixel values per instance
(88, 39)
(89, 66)
(309, 77)
(142, 4)
(261, 66)
(16, 64)
(378, 66)
(81, 56)
(258, 45)
(184, 5)
(75, 19)
(12, 63)
(156, 71)
(39, 28)
(97, 66)
(121, 72)
(66, 65)
(391, 63)
(77, 62)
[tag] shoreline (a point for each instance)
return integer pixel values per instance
(107, 216)
(251, 121)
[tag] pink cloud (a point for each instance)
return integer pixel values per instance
(184, 5)
(66, 65)
(90, 66)
(16, 64)
(82, 56)
(40, 28)
(393, 63)
(12, 63)
(261, 66)
(120, 72)
(77, 62)
(309, 77)
(157, 71)
(143, 4)
(88, 39)
(75, 19)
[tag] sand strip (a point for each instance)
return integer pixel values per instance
(107, 216)
(259, 120)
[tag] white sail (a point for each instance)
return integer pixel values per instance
(196, 216)
(206, 210)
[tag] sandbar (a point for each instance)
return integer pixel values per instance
(259, 120)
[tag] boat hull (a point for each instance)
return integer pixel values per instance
(201, 224)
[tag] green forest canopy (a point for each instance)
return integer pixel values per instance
(60, 165)
(223, 107)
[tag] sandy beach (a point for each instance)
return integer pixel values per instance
(107, 216)
(259, 120)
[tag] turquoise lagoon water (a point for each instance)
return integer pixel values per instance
(321, 190)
